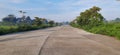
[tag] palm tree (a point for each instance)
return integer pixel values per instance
(22, 12)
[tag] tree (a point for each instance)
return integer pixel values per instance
(22, 12)
(44, 21)
(51, 23)
(10, 19)
(117, 19)
(38, 21)
(90, 17)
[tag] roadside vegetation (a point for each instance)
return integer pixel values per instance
(11, 24)
(92, 20)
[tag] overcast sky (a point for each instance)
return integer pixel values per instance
(58, 10)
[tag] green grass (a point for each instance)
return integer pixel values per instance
(8, 29)
(110, 29)
(13, 29)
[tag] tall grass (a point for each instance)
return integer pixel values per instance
(8, 29)
(12, 29)
(110, 29)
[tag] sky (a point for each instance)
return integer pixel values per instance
(58, 10)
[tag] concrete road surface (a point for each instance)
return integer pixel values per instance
(64, 40)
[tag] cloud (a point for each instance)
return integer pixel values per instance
(17, 1)
(29, 9)
(59, 10)
(13, 1)
(81, 5)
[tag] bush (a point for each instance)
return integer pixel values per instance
(111, 29)
(19, 28)
(7, 29)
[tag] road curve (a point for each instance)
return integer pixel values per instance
(64, 40)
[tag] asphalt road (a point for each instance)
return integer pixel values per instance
(64, 40)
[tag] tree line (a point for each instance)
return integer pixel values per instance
(11, 23)
(12, 20)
